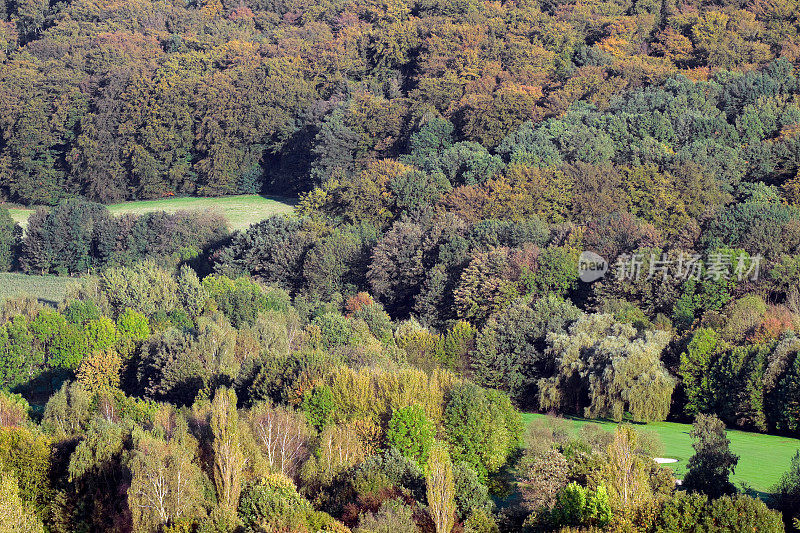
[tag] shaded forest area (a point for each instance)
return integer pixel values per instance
(139, 99)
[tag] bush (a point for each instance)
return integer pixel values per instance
(576, 505)
(273, 504)
(695, 512)
(393, 516)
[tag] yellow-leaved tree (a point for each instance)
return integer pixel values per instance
(440, 488)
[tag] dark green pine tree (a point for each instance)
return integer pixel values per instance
(334, 149)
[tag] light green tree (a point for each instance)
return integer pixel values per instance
(411, 432)
(15, 516)
(441, 489)
(695, 369)
(623, 470)
(229, 457)
(165, 482)
(133, 324)
(618, 368)
(101, 334)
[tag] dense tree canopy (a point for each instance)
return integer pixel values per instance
(358, 365)
(152, 99)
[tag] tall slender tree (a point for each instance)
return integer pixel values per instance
(624, 470)
(441, 489)
(229, 458)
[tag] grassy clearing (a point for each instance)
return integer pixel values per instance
(20, 215)
(241, 211)
(47, 289)
(762, 458)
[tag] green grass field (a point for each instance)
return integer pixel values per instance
(20, 215)
(762, 458)
(47, 289)
(241, 211)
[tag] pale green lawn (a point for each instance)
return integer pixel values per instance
(20, 215)
(762, 458)
(47, 289)
(240, 211)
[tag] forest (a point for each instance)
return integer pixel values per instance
(134, 99)
(362, 364)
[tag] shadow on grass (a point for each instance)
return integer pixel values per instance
(291, 200)
(608, 421)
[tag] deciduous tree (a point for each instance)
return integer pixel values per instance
(440, 489)
(229, 456)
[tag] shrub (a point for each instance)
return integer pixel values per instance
(576, 505)
(692, 511)
(393, 516)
